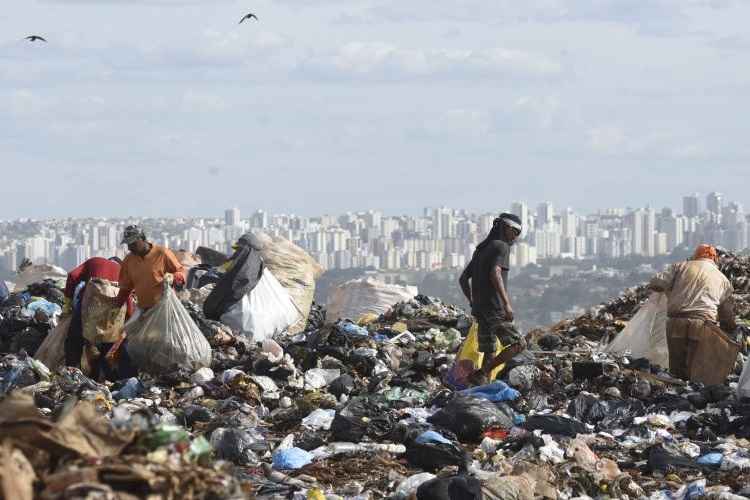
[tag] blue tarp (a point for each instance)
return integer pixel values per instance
(496, 391)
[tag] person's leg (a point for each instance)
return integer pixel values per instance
(513, 344)
(125, 366)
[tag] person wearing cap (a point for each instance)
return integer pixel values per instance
(699, 298)
(484, 282)
(145, 268)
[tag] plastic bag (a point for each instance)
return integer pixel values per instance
(645, 336)
(469, 360)
(433, 456)
(359, 297)
(295, 270)
(362, 417)
(265, 311)
(469, 416)
(165, 337)
(102, 322)
(52, 350)
(743, 386)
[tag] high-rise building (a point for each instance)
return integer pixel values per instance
(714, 203)
(545, 213)
(635, 224)
(691, 205)
(649, 232)
(232, 217)
(521, 209)
(569, 222)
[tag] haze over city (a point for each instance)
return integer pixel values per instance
(171, 108)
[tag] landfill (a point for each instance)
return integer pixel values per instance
(362, 408)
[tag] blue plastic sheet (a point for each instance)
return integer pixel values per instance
(352, 329)
(291, 459)
(496, 391)
(50, 308)
(432, 437)
(711, 459)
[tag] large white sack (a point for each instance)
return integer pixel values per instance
(645, 335)
(38, 273)
(295, 269)
(366, 295)
(263, 312)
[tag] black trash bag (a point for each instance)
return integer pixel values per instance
(432, 457)
(210, 256)
(550, 342)
(450, 488)
(362, 363)
(605, 415)
(554, 424)
(468, 417)
(667, 403)
(717, 393)
(660, 459)
(234, 445)
(362, 417)
(587, 370)
(196, 413)
(236, 283)
(342, 385)
(30, 338)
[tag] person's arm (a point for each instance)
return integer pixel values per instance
(173, 266)
(75, 276)
(465, 283)
(126, 285)
(662, 282)
(496, 278)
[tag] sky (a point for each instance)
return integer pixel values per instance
(170, 107)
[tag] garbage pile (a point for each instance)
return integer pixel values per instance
(360, 409)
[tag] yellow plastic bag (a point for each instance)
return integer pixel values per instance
(469, 360)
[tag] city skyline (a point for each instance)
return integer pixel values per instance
(439, 238)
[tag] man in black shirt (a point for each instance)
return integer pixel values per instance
(485, 282)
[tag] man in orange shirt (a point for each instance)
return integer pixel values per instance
(145, 268)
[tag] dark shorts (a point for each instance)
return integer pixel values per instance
(493, 327)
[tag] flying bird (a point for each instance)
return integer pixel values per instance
(247, 17)
(34, 38)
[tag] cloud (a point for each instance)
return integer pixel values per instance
(386, 61)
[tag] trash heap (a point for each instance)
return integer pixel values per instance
(359, 409)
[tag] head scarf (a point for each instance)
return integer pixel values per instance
(496, 233)
(705, 252)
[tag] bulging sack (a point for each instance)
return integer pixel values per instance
(102, 323)
(645, 335)
(52, 350)
(355, 298)
(263, 312)
(295, 269)
(166, 337)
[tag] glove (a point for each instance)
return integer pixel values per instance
(67, 306)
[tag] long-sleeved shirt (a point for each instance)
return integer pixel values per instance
(145, 275)
(696, 289)
(95, 267)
